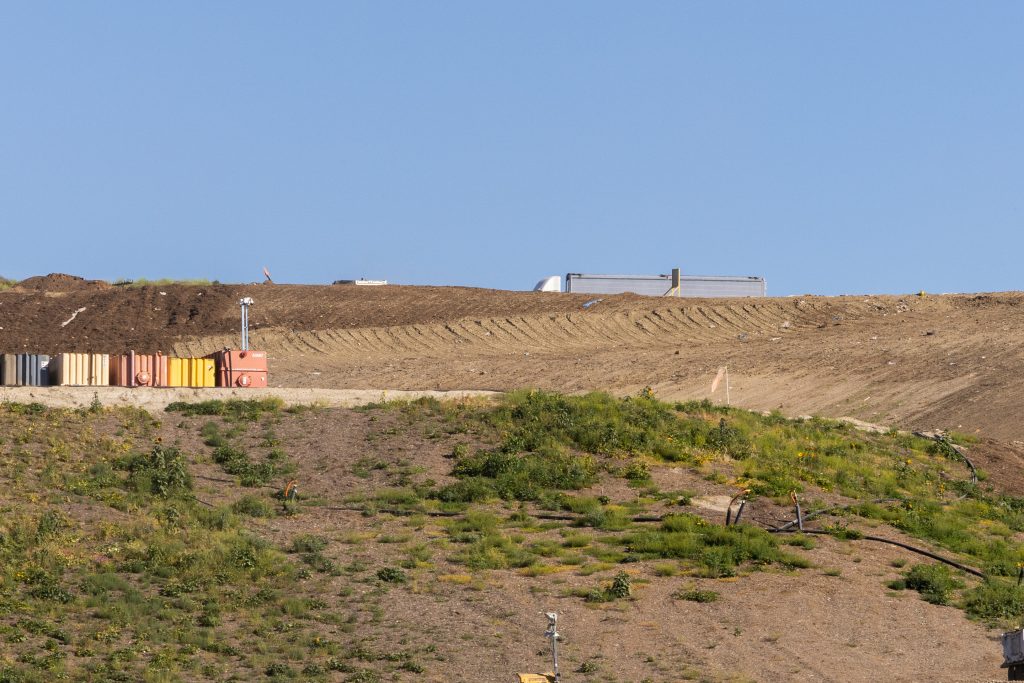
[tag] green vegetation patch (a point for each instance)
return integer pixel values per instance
(112, 570)
(234, 409)
(695, 595)
(716, 551)
(236, 461)
(935, 582)
(163, 471)
(620, 588)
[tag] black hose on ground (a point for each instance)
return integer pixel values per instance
(824, 511)
(919, 551)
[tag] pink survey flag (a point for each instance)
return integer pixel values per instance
(718, 378)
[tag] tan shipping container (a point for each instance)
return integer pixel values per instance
(8, 369)
(80, 369)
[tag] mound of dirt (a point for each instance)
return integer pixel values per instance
(921, 362)
(60, 282)
(153, 318)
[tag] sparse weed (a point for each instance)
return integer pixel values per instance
(695, 595)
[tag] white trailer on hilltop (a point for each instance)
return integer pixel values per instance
(676, 284)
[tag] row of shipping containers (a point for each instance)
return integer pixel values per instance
(227, 368)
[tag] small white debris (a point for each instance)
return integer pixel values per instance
(163, 293)
(73, 316)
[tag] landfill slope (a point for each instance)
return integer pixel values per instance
(933, 361)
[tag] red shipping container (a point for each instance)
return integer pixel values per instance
(139, 370)
(237, 368)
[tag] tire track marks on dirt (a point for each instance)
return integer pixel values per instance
(516, 334)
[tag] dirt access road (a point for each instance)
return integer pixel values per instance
(933, 361)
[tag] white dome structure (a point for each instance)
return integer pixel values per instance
(549, 284)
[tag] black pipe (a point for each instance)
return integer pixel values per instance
(920, 551)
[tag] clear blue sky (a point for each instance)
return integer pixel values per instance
(828, 146)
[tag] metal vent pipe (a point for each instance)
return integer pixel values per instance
(245, 303)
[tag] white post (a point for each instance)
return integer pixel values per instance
(245, 303)
(552, 633)
(727, 399)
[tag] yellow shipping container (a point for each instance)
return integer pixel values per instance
(177, 375)
(190, 372)
(204, 372)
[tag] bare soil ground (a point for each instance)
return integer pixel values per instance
(938, 361)
(834, 622)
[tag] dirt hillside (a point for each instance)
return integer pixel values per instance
(950, 361)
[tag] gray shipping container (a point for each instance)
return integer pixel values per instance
(706, 286)
(32, 370)
(8, 369)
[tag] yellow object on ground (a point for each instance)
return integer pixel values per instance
(536, 678)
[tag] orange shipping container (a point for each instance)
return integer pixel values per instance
(241, 368)
(139, 370)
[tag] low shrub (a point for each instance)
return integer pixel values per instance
(801, 541)
(253, 506)
(996, 601)
(236, 461)
(694, 595)
(935, 582)
(620, 587)
(308, 543)
(163, 471)
(391, 575)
